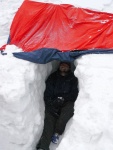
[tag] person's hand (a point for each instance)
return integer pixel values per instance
(56, 106)
(60, 101)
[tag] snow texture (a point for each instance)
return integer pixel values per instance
(21, 101)
(92, 125)
(22, 84)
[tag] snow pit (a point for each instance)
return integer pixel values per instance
(22, 108)
(22, 86)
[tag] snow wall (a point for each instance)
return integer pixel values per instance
(22, 84)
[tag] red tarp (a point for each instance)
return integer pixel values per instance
(64, 27)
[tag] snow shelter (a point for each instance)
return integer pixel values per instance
(63, 32)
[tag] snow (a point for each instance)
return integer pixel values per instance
(22, 84)
(102, 5)
(92, 125)
(21, 101)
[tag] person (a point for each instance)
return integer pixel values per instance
(59, 96)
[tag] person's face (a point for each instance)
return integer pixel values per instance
(64, 67)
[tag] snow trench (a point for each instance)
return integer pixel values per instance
(22, 86)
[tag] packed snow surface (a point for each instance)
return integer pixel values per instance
(22, 84)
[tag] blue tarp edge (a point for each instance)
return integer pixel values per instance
(45, 55)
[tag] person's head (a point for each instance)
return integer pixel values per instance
(64, 67)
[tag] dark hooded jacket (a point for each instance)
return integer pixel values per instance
(60, 86)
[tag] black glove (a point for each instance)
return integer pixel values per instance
(55, 106)
(58, 102)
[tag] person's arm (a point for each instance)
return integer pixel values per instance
(72, 95)
(49, 91)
